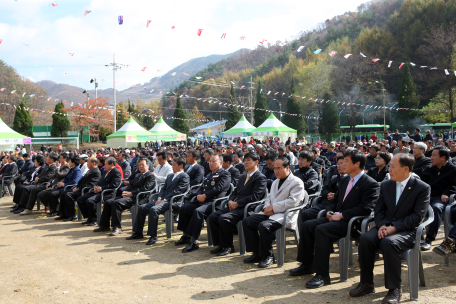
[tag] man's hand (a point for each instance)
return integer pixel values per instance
(445, 198)
(75, 189)
(126, 183)
(47, 186)
(61, 184)
(37, 179)
(19, 174)
(232, 205)
(26, 183)
(328, 215)
(126, 194)
(154, 174)
(269, 211)
(201, 198)
(336, 217)
(330, 196)
(385, 231)
(97, 189)
(159, 201)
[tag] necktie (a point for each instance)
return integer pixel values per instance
(159, 169)
(398, 191)
(247, 179)
(349, 187)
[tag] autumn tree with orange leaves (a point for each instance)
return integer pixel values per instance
(94, 114)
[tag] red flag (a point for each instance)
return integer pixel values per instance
(173, 27)
(148, 22)
(401, 65)
(143, 69)
(375, 60)
(199, 32)
(53, 4)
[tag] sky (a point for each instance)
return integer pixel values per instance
(37, 37)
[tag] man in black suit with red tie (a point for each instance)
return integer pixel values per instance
(88, 202)
(400, 209)
(356, 196)
(250, 188)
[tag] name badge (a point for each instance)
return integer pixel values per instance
(213, 183)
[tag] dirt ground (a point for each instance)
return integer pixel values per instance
(45, 261)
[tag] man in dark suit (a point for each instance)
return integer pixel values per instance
(175, 184)
(237, 161)
(88, 202)
(356, 196)
(39, 166)
(305, 172)
(228, 166)
(126, 168)
(251, 188)
(441, 177)
(10, 171)
(113, 208)
(20, 161)
(400, 209)
(193, 169)
(207, 156)
(28, 166)
(68, 198)
(191, 216)
(268, 170)
(421, 161)
(45, 176)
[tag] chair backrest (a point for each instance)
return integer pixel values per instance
(305, 201)
(320, 183)
(231, 190)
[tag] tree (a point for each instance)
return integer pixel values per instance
(148, 122)
(233, 111)
(121, 117)
(407, 100)
(260, 116)
(133, 111)
(60, 122)
(23, 121)
(196, 117)
(179, 123)
(437, 110)
(329, 123)
(293, 107)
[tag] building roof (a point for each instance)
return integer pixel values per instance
(210, 125)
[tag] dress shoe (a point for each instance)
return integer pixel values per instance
(255, 258)
(191, 246)
(92, 223)
(69, 219)
(101, 229)
(176, 219)
(15, 208)
(216, 250)
(26, 212)
(301, 270)
(152, 240)
(115, 231)
(361, 290)
(52, 214)
(59, 218)
(183, 240)
(393, 296)
(425, 244)
(135, 236)
(266, 262)
(318, 281)
(18, 211)
(445, 248)
(86, 222)
(226, 251)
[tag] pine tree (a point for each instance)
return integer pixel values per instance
(294, 107)
(407, 99)
(148, 122)
(60, 123)
(260, 116)
(329, 124)
(233, 111)
(121, 117)
(180, 125)
(134, 112)
(23, 121)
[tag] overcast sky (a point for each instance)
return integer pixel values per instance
(52, 33)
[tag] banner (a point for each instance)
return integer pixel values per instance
(15, 141)
(143, 138)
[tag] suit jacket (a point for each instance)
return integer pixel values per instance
(252, 191)
(240, 167)
(290, 195)
(73, 176)
(90, 179)
(196, 174)
(215, 185)
(309, 177)
(421, 163)
(162, 172)
(234, 175)
(111, 180)
(360, 201)
(10, 170)
(175, 187)
(141, 183)
(409, 211)
(47, 174)
(60, 174)
(20, 164)
(29, 165)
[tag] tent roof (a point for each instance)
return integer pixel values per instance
(273, 124)
(161, 126)
(131, 127)
(243, 125)
(8, 133)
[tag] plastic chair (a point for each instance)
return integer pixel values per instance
(217, 201)
(169, 220)
(134, 209)
(318, 192)
(79, 211)
(10, 186)
(100, 203)
(447, 223)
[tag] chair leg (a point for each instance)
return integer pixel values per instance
(343, 260)
(280, 249)
(99, 212)
(79, 212)
(38, 204)
(241, 238)
(422, 280)
(168, 223)
(209, 234)
(413, 268)
(350, 255)
(133, 215)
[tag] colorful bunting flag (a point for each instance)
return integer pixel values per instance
(86, 12)
(223, 36)
(389, 64)
(300, 48)
(348, 55)
(200, 31)
(375, 60)
(332, 53)
(120, 18)
(148, 22)
(317, 51)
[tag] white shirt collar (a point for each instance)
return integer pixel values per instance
(251, 174)
(176, 174)
(404, 183)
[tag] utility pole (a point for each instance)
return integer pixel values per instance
(251, 100)
(114, 67)
(384, 120)
(94, 80)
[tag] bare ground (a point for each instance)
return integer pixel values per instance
(45, 261)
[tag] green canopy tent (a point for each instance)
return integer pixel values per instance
(274, 127)
(161, 131)
(129, 135)
(9, 138)
(240, 129)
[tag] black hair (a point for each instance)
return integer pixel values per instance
(210, 151)
(40, 159)
(386, 156)
(315, 150)
(162, 154)
(75, 160)
(111, 161)
(228, 158)
(281, 149)
(64, 155)
(193, 153)
(14, 158)
(339, 158)
(356, 156)
(176, 154)
(180, 161)
(407, 160)
(252, 156)
(442, 152)
(271, 155)
(286, 162)
(240, 153)
(53, 156)
(25, 155)
(376, 147)
(307, 155)
(124, 155)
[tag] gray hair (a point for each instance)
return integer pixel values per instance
(421, 145)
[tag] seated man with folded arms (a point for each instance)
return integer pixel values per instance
(356, 196)
(176, 183)
(192, 215)
(110, 180)
(113, 208)
(29, 178)
(68, 198)
(250, 188)
(400, 209)
(287, 192)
